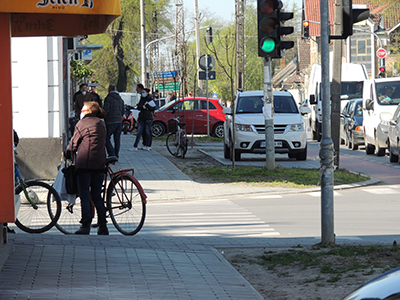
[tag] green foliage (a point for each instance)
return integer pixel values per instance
(79, 70)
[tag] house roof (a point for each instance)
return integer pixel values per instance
(312, 13)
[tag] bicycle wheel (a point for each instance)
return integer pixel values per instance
(172, 143)
(70, 217)
(125, 206)
(47, 212)
(184, 144)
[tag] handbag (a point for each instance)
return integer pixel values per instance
(71, 182)
(59, 186)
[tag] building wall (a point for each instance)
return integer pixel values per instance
(37, 65)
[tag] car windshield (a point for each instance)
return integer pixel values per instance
(168, 104)
(254, 104)
(351, 90)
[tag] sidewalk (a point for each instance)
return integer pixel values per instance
(55, 266)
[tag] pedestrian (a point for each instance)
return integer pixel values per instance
(96, 97)
(114, 108)
(170, 97)
(88, 146)
(156, 95)
(190, 94)
(81, 97)
(146, 106)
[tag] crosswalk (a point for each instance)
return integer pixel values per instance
(218, 218)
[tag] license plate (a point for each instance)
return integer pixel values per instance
(276, 144)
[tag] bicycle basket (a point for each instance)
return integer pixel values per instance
(172, 126)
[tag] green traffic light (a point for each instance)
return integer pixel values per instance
(268, 45)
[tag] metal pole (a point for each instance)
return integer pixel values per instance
(336, 84)
(65, 131)
(198, 51)
(143, 42)
(326, 150)
(208, 113)
(268, 111)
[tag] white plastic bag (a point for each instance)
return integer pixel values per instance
(59, 186)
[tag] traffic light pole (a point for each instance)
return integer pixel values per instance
(268, 111)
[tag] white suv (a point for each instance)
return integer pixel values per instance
(290, 133)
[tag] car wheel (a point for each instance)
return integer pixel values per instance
(319, 132)
(302, 155)
(369, 149)
(237, 155)
(314, 135)
(218, 130)
(227, 152)
(158, 129)
(393, 157)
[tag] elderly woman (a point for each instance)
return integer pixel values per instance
(88, 145)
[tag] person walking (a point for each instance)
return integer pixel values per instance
(114, 108)
(96, 97)
(81, 97)
(88, 147)
(146, 106)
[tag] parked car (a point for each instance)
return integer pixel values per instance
(385, 286)
(290, 134)
(195, 112)
(394, 136)
(351, 124)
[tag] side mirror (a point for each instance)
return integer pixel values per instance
(393, 122)
(312, 99)
(305, 110)
(227, 110)
(369, 104)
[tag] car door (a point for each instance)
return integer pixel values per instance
(187, 109)
(201, 115)
(343, 122)
(396, 132)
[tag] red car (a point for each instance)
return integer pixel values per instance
(199, 114)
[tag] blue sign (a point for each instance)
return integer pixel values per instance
(165, 74)
(214, 95)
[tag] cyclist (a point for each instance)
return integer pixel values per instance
(89, 145)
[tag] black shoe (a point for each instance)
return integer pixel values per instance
(85, 229)
(103, 230)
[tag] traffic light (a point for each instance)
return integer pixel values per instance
(268, 28)
(209, 35)
(382, 71)
(351, 15)
(306, 29)
(269, 18)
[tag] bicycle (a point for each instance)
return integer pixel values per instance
(125, 203)
(177, 143)
(40, 204)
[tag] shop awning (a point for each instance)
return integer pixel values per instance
(60, 17)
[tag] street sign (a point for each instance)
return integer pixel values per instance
(381, 53)
(167, 86)
(211, 75)
(87, 55)
(206, 61)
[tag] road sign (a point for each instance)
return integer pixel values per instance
(206, 61)
(211, 75)
(167, 86)
(381, 53)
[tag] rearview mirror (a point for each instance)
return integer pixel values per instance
(369, 104)
(312, 99)
(227, 110)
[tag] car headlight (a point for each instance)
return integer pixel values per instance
(296, 127)
(244, 127)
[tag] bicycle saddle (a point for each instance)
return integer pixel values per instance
(111, 160)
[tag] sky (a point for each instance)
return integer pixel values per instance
(222, 8)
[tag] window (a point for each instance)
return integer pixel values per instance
(361, 47)
(203, 105)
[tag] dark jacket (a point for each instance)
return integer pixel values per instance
(114, 107)
(89, 144)
(80, 100)
(146, 106)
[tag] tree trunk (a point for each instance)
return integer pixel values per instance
(116, 37)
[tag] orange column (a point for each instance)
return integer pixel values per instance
(6, 134)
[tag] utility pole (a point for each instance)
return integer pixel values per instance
(326, 146)
(143, 42)
(239, 78)
(336, 82)
(180, 45)
(198, 50)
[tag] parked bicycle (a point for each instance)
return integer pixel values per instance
(40, 204)
(125, 203)
(177, 143)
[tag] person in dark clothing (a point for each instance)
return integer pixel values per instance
(146, 106)
(81, 97)
(88, 144)
(114, 107)
(96, 97)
